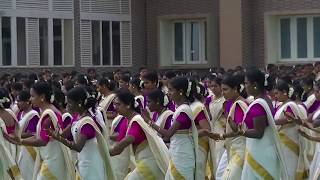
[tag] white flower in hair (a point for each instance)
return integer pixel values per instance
(198, 89)
(136, 104)
(86, 78)
(241, 88)
(4, 100)
(141, 84)
(189, 88)
(291, 91)
(165, 100)
(52, 98)
(266, 76)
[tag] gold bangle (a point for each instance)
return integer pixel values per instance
(242, 132)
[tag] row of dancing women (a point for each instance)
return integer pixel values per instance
(241, 124)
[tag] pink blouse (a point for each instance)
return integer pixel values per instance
(168, 121)
(121, 129)
(10, 130)
(88, 131)
(200, 117)
(255, 111)
(137, 132)
(43, 134)
(184, 120)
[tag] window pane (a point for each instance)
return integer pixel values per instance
(68, 42)
(6, 41)
(116, 42)
(194, 45)
(316, 36)
(43, 30)
(106, 42)
(95, 42)
(21, 39)
(285, 38)
(57, 42)
(205, 41)
(302, 44)
(178, 41)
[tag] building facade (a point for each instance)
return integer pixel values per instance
(159, 34)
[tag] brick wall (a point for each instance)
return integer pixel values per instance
(254, 31)
(156, 8)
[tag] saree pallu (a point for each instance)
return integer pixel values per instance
(28, 154)
(314, 167)
(182, 163)
(235, 153)
(206, 164)
(292, 144)
(218, 123)
(235, 146)
(103, 107)
(264, 157)
(54, 160)
(146, 165)
(8, 166)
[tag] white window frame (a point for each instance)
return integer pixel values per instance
(294, 40)
(186, 42)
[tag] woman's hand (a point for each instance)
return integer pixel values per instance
(54, 134)
(145, 115)
(214, 136)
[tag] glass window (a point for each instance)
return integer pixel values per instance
(96, 43)
(316, 36)
(285, 38)
(302, 44)
(106, 42)
(57, 41)
(43, 31)
(178, 42)
(194, 43)
(116, 43)
(21, 39)
(6, 41)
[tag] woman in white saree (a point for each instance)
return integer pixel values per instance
(151, 155)
(218, 119)
(264, 155)
(183, 133)
(93, 155)
(233, 90)
(292, 143)
(106, 87)
(206, 150)
(53, 160)
(28, 120)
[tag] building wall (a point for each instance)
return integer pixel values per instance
(157, 9)
(254, 23)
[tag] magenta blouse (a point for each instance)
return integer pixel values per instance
(255, 111)
(122, 128)
(238, 112)
(184, 120)
(43, 134)
(137, 132)
(168, 121)
(32, 126)
(314, 107)
(200, 117)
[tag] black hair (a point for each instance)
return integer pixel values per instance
(125, 78)
(282, 86)
(137, 83)
(297, 91)
(4, 95)
(111, 85)
(59, 98)
(81, 96)
(17, 86)
(170, 74)
(127, 98)
(69, 85)
(182, 84)
(33, 76)
(317, 84)
(28, 84)
(215, 79)
(307, 81)
(199, 95)
(157, 95)
(83, 80)
(142, 68)
(43, 88)
(24, 96)
(235, 81)
(256, 76)
(151, 76)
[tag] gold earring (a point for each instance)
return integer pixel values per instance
(255, 88)
(180, 93)
(42, 100)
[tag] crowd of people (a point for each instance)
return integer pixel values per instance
(243, 123)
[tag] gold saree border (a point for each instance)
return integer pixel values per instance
(284, 139)
(255, 166)
(174, 172)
